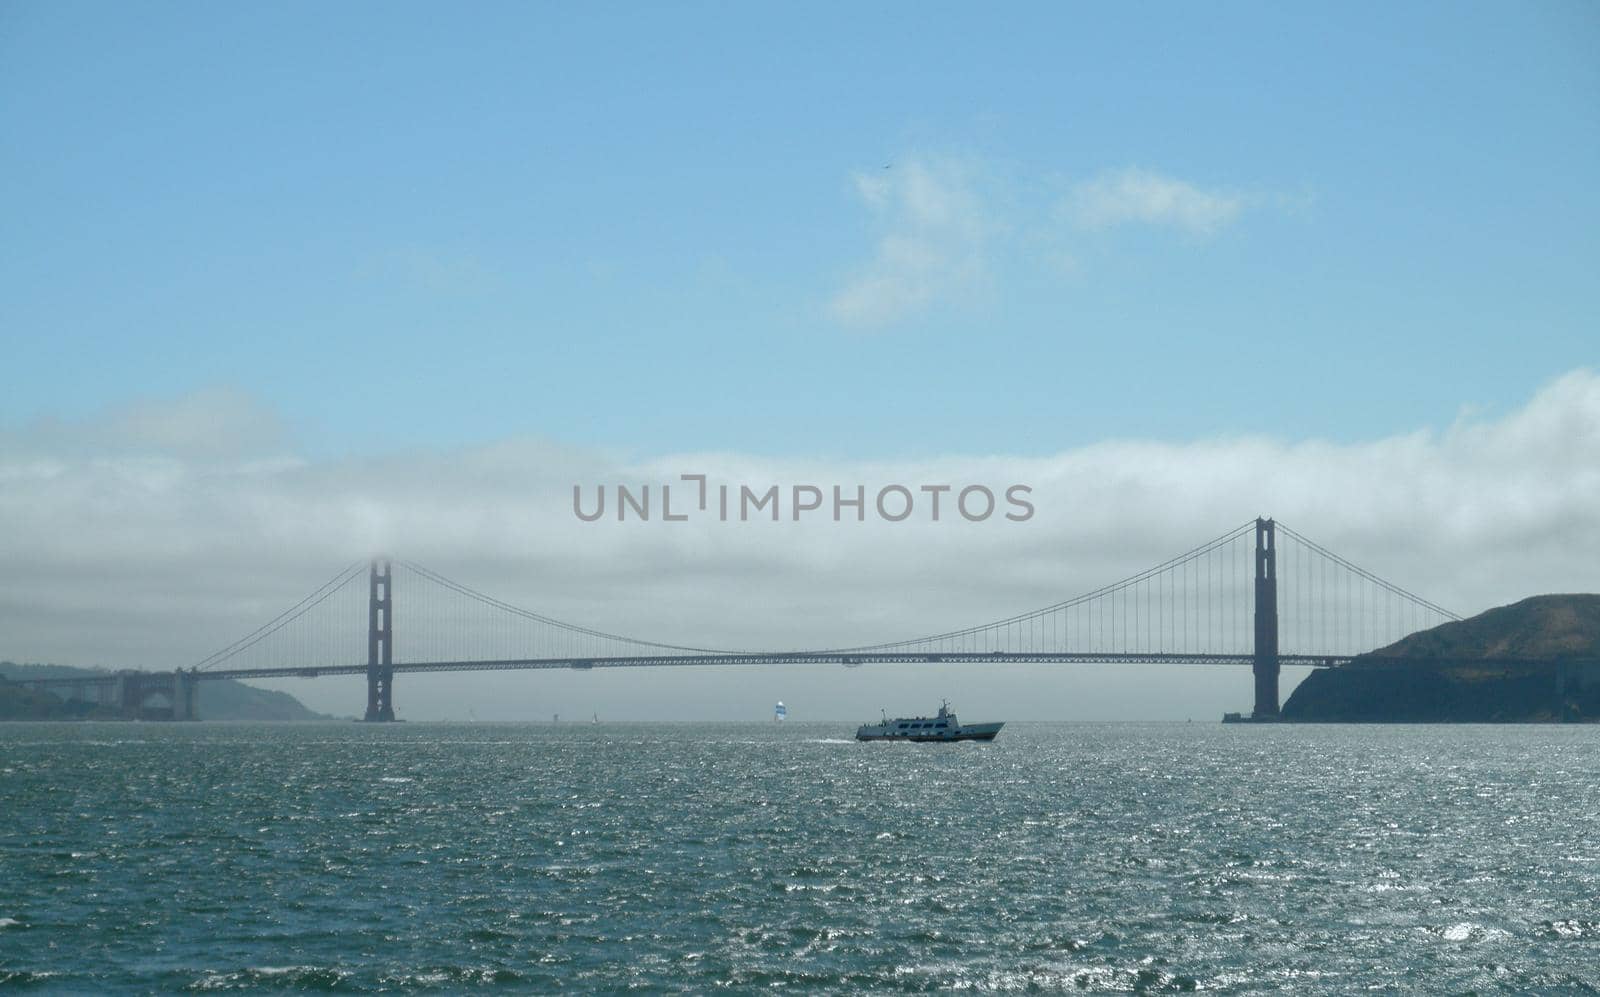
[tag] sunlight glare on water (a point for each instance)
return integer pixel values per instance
(1115, 857)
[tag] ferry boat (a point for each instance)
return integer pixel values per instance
(944, 727)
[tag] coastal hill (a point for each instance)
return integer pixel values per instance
(1544, 626)
(223, 699)
(1537, 660)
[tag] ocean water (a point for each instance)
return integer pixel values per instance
(674, 857)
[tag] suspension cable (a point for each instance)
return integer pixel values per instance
(529, 614)
(1104, 590)
(1369, 576)
(284, 618)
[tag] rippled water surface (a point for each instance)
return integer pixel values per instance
(678, 857)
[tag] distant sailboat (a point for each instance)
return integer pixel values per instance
(780, 711)
(596, 719)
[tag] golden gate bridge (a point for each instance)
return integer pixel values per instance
(1260, 594)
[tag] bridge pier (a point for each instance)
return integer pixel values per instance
(380, 642)
(185, 691)
(130, 693)
(1265, 666)
(121, 692)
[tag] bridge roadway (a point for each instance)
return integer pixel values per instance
(129, 690)
(750, 658)
(846, 658)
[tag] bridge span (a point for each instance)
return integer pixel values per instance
(1190, 609)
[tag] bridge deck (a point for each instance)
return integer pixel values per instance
(849, 659)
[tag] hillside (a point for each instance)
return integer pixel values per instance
(1543, 626)
(224, 699)
(1537, 660)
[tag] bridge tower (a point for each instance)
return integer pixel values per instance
(184, 690)
(1265, 665)
(380, 641)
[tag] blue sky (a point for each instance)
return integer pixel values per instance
(640, 227)
(282, 285)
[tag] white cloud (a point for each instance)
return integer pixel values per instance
(943, 237)
(217, 422)
(114, 556)
(934, 231)
(1145, 197)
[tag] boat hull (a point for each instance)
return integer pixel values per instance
(966, 732)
